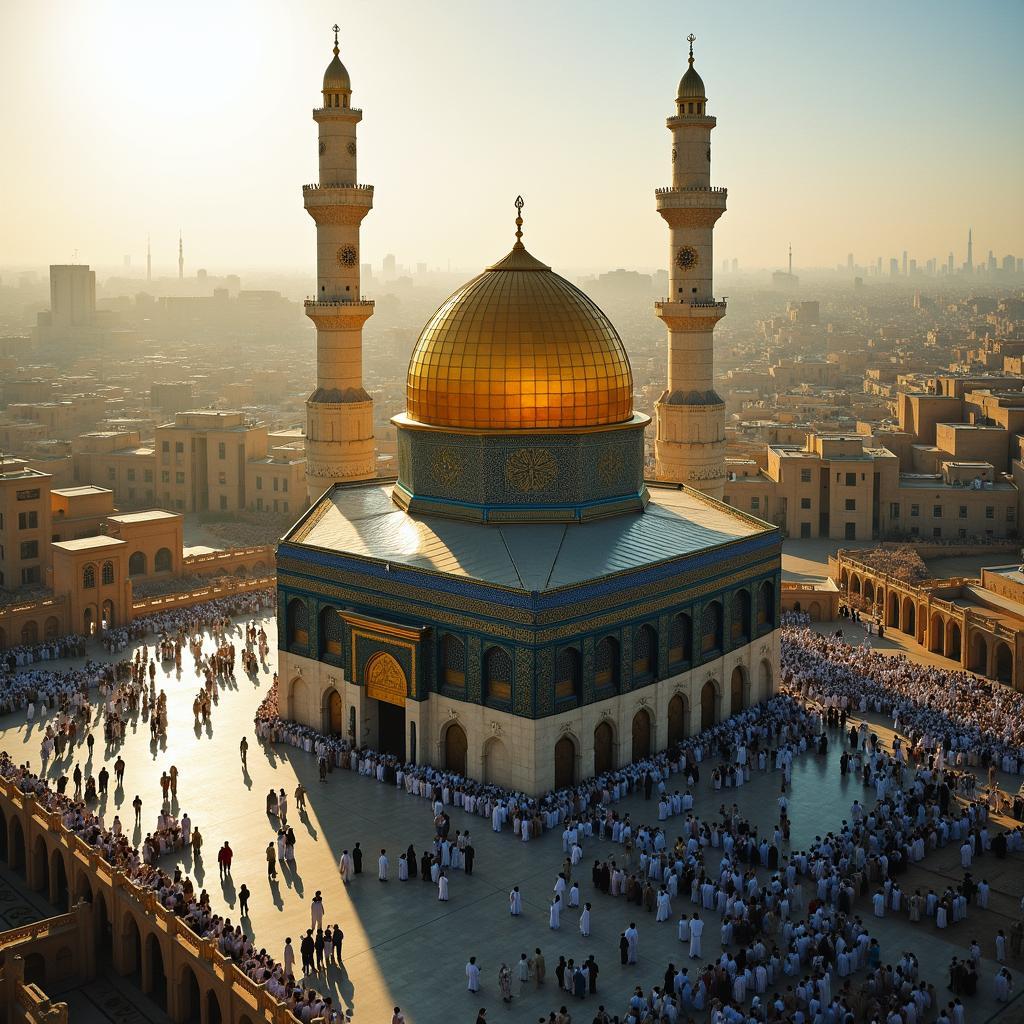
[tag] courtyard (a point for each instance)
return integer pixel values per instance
(402, 946)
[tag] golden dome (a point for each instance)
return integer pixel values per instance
(336, 76)
(519, 348)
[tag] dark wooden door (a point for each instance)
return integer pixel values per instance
(565, 763)
(676, 720)
(455, 746)
(604, 760)
(641, 735)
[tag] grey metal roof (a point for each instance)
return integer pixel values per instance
(363, 521)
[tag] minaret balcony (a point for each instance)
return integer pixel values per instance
(682, 315)
(317, 197)
(690, 121)
(692, 197)
(340, 314)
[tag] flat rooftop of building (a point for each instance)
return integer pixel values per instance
(89, 543)
(363, 521)
(1009, 572)
(928, 481)
(80, 491)
(150, 515)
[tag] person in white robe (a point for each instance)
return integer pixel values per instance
(555, 913)
(403, 868)
(632, 943)
(684, 928)
(585, 921)
(696, 930)
(346, 867)
(1003, 985)
(664, 907)
(442, 888)
(472, 976)
(515, 901)
(574, 895)
(382, 866)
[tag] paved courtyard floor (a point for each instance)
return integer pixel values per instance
(403, 947)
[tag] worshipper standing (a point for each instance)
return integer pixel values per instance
(515, 901)
(555, 913)
(442, 887)
(357, 860)
(345, 867)
(382, 866)
(539, 967)
(472, 976)
(271, 860)
(585, 921)
(505, 983)
(523, 973)
(316, 910)
(243, 900)
(632, 943)
(696, 930)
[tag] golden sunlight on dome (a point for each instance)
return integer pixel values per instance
(519, 347)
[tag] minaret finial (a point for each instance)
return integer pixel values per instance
(519, 219)
(691, 39)
(336, 30)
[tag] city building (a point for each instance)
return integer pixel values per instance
(24, 525)
(520, 605)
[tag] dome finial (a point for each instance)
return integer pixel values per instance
(691, 39)
(519, 221)
(336, 51)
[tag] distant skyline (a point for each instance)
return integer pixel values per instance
(868, 130)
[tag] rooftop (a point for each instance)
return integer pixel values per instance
(364, 522)
(89, 543)
(150, 515)
(77, 492)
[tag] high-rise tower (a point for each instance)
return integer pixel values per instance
(181, 259)
(339, 412)
(969, 266)
(690, 440)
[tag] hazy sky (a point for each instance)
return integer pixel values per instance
(868, 127)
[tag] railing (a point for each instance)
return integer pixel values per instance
(31, 931)
(689, 188)
(713, 304)
(337, 110)
(337, 302)
(223, 587)
(316, 186)
(263, 550)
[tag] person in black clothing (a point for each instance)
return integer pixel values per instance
(104, 778)
(648, 785)
(425, 866)
(623, 949)
(243, 900)
(307, 948)
(469, 853)
(337, 937)
(410, 858)
(357, 860)
(594, 969)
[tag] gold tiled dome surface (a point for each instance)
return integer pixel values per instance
(519, 347)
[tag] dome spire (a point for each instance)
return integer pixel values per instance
(337, 51)
(520, 203)
(691, 39)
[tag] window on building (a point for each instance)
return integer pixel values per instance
(1011, 514)
(131, 493)
(963, 511)
(111, 473)
(165, 476)
(805, 530)
(894, 510)
(805, 476)
(284, 483)
(179, 447)
(222, 450)
(28, 520)
(179, 478)
(453, 661)
(131, 474)
(851, 479)
(568, 674)
(936, 511)
(30, 495)
(259, 483)
(223, 503)
(259, 504)
(936, 531)
(915, 510)
(222, 478)
(962, 532)
(990, 512)
(851, 504)
(107, 574)
(805, 502)
(89, 577)
(276, 483)
(179, 503)
(498, 674)
(755, 504)
(166, 447)
(31, 575)
(29, 549)
(284, 506)
(148, 476)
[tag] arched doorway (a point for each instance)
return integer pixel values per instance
(17, 839)
(496, 766)
(604, 748)
(104, 932)
(213, 1010)
(387, 689)
(764, 681)
(641, 735)
(335, 713)
(979, 654)
(455, 747)
(41, 866)
(909, 623)
(191, 997)
(869, 592)
(132, 945)
(565, 763)
(677, 715)
(814, 611)
(89, 620)
(708, 705)
(1004, 663)
(737, 690)
(298, 698)
(108, 619)
(855, 585)
(412, 742)
(953, 641)
(59, 883)
(157, 974)
(937, 635)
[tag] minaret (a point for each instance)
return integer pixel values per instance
(790, 259)
(149, 261)
(339, 412)
(690, 440)
(181, 259)
(970, 251)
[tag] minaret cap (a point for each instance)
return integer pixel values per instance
(336, 76)
(691, 85)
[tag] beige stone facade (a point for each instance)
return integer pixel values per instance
(25, 516)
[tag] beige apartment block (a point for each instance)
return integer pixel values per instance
(78, 512)
(202, 458)
(117, 459)
(24, 525)
(277, 482)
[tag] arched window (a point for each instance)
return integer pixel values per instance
(766, 604)
(680, 639)
(298, 623)
(137, 564)
(645, 652)
(498, 674)
(30, 633)
(108, 573)
(162, 562)
(606, 665)
(740, 631)
(89, 577)
(711, 629)
(568, 674)
(453, 661)
(331, 628)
